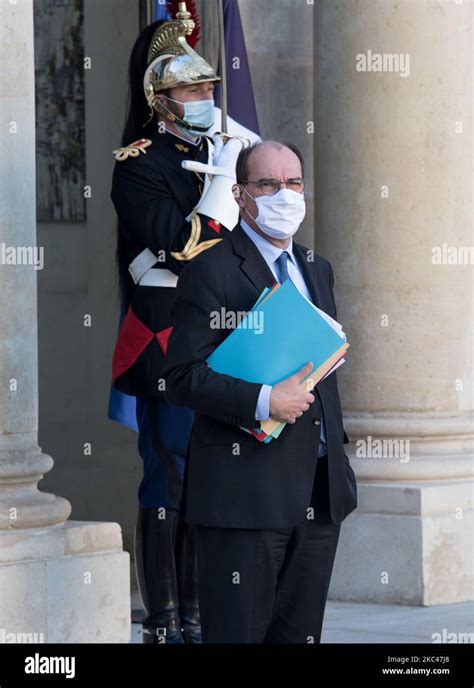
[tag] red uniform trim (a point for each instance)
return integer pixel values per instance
(216, 226)
(132, 340)
(163, 337)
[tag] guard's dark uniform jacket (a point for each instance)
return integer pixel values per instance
(153, 195)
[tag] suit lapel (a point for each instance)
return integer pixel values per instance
(253, 265)
(311, 276)
(258, 272)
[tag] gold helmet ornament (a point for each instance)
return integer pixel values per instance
(172, 62)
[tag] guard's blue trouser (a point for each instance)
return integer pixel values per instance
(164, 433)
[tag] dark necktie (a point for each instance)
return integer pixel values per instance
(282, 263)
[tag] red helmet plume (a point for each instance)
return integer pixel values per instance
(172, 7)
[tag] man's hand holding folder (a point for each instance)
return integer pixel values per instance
(294, 332)
(289, 398)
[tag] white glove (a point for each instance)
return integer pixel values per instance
(217, 200)
(218, 146)
(225, 154)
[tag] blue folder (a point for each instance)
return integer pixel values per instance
(275, 339)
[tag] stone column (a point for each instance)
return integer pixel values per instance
(279, 40)
(67, 581)
(394, 215)
(22, 463)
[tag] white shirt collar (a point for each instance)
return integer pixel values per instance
(269, 251)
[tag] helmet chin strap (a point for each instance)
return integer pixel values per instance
(174, 119)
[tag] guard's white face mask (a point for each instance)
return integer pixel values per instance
(279, 215)
(198, 112)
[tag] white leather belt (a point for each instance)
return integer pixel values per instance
(159, 277)
(143, 273)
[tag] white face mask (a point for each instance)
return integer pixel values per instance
(279, 215)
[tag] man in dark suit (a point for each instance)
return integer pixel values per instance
(268, 515)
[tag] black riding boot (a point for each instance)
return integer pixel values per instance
(156, 575)
(187, 573)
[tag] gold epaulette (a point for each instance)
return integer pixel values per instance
(193, 247)
(132, 151)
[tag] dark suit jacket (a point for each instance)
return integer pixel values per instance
(233, 480)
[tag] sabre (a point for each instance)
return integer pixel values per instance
(220, 11)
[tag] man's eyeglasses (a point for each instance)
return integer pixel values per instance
(269, 187)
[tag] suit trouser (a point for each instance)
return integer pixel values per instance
(268, 586)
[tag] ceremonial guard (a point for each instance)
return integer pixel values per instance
(172, 194)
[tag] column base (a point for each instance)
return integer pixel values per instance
(68, 583)
(22, 505)
(407, 543)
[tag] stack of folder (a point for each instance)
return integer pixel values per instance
(281, 333)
